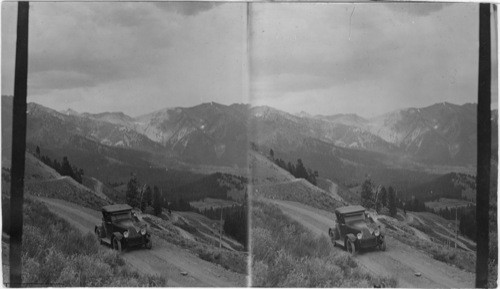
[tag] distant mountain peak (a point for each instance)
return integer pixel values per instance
(304, 114)
(69, 111)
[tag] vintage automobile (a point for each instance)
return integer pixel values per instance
(355, 230)
(121, 229)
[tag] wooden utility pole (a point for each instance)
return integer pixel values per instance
(142, 196)
(483, 145)
(456, 226)
(18, 145)
(220, 230)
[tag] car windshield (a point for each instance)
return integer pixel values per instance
(354, 218)
(121, 216)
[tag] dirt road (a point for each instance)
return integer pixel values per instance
(400, 260)
(164, 259)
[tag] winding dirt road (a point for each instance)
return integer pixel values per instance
(164, 259)
(400, 260)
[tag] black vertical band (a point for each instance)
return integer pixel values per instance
(483, 146)
(18, 144)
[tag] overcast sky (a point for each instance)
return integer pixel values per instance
(363, 58)
(320, 58)
(132, 57)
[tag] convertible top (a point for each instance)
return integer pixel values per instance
(349, 209)
(116, 208)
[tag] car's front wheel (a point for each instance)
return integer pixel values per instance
(382, 246)
(149, 244)
(117, 245)
(350, 246)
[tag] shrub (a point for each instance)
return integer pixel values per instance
(285, 254)
(54, 253)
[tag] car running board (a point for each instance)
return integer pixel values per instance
(339, 243)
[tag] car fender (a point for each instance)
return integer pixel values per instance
(351, 237)
(99, 230)
(118, 235)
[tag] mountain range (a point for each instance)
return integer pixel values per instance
(418, 139)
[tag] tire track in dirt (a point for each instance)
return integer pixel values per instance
(164, 259)
(400, 260)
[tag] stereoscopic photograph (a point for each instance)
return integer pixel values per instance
(365, 156)
(135, 145)
(249, 144)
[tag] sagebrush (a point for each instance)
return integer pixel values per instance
(285, 254)
(56, 254)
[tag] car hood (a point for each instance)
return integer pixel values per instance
(362, 227)
(130, 224)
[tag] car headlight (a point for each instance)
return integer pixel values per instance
(376, 233)
(360, 235)
(125, 234)
(143, 231)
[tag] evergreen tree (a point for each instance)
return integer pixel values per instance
(37, 151)
(367, 200)
(157, 201)
(300, 170)
(291, 168)
(131, 194)
(271, 153)
(391, 200)
(383, 197)
(147, 197)
(378, 203)
(311, 176)
(66, 169)
(57, 166)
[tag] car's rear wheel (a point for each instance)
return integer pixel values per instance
(350, 246)
(117, 245)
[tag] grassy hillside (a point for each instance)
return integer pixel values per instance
(435, 243)
(68, 190)
(265, 171)
(300, 191)
(37, 170)
(114, 164)
(43, 181)
(97, 186)
(56, 254)
(285, 254)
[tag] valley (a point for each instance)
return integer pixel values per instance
(185, 169)
(215, 137)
